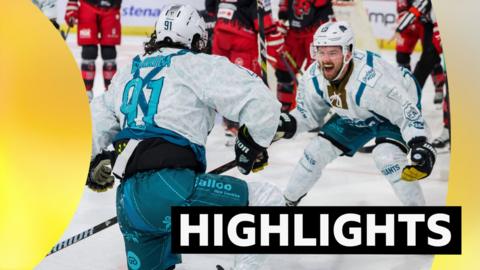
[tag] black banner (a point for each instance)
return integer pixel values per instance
(317, 230)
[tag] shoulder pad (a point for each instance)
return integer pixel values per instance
(359, 55)
(369, 75)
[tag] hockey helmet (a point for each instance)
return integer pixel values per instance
(180, 24)
(337, 33)
(334, 34)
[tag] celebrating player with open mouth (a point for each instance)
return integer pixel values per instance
(370, 98)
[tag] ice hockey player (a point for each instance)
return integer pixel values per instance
(157, 113)
(444, 139)
(49, 9)
(415, 21)
(98, 24)
(235, 37)
(298, 20)
(370, 98)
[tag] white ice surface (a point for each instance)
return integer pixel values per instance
(346, 181)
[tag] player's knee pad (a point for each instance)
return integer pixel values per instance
(403, 60)
(438, 77)
(286, 95)
(248, 261)
(264, 194)
(108, 52)
(285, 89)
(391, 160)
(89, 52)
(318, 153)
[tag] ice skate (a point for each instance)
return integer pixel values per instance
(443, 140)
(438, 97)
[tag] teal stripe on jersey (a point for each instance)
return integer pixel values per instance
(317, 87)
(319, 91)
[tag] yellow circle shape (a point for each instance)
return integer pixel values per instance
(45, 138)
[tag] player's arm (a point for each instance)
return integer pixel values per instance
(105, 126)
(310, 111)
(240, 96)
(394, 104)
(417, 9)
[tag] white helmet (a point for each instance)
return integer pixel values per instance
(335, 34)
(180, 23)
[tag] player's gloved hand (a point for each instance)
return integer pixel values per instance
(260, 162)
(275, 47)
(422, 155)
(287, 126)
(100, 178)
(248, 154)
(71, 13)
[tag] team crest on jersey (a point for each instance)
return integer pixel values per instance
(301, 8)
(369, 76)
(411, 112)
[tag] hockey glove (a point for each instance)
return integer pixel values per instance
(275, 47)
(287, 126)
(248, 154)
(422, 155)
(260, 162)
(71, 13)
(100, 178)
(282, 27)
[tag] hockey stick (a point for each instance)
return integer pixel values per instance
(292, 62)
(87, 233)
(289, 68)
(65, 34)
(261, 33)
(112, 221)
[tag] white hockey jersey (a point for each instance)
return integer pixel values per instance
(376, 91)
(175, 95)
(48, 7)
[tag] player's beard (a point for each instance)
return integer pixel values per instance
(330, 73)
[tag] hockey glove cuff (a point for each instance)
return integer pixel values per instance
(248, 154)
(423, 156)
